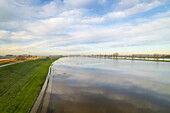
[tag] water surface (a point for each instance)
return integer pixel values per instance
(93, 85)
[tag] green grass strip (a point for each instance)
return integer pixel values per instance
(21, 83)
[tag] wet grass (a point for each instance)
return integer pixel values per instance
(21, 83)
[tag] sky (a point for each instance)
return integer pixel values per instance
(55, 27)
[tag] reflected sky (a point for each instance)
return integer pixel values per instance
(91, 85)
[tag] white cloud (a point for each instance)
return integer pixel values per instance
(49, 27)
(127, 3)
(4, 35)
(21, 35)
(75, 28)
(50, 9)
(124, 4)
(77, 2)
(138, 8)
(108, 37)
(83, 3)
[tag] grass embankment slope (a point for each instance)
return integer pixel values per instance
(21, 83)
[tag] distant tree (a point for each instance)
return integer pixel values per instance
(163, 57)
(100, 55)
(20, 57)
(156, 56)
(133, 56)
(115, 55)
(111, 55)
(144, 57)
(148, 57)
(47, 57)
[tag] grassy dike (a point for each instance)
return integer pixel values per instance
(21, 83)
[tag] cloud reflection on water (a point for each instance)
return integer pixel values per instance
(99, 82)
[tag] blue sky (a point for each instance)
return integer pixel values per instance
(51, 27)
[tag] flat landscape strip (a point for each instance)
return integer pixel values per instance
(21, 83)
(7, 62)
(133, 59)
(11, 63)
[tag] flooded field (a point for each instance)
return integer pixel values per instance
(91, 85)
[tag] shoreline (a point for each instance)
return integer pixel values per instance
(39, 101)
(133, 59)
(36, 106)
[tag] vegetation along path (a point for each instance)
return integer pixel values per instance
(21, 83)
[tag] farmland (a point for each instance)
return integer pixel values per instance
(21, 83)
(7, 61)
(11, 60)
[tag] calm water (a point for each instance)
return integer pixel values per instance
(91, 85)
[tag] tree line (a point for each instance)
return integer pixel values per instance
(133, 56)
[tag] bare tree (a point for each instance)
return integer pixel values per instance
(148, 57)
(115, 55)
(163, 57)
(144, 57)
(156, 56)
(20, 57)
(133, 56)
